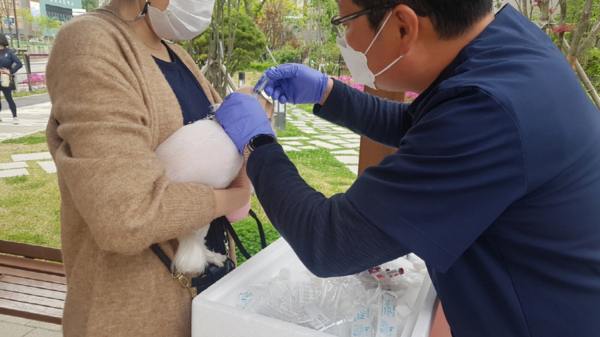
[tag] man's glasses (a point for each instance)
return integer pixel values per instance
(338, 21)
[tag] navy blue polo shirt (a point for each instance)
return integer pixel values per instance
(495, 184)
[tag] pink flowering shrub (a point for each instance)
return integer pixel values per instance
(411, 96)
(349, 81)
(38, 81)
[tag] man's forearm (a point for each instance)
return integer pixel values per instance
(379, 119)
(329, 236)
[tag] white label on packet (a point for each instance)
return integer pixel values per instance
(244, 299)
(320, 320)
(361, 326)
(386, 322)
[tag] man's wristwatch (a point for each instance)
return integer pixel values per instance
(257, 141)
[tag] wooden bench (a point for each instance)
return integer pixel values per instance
(29, 287)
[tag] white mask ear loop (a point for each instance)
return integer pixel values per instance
(388, 67)
(380, 29)
(391, 64)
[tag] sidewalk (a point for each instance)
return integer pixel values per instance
(32, 111)
(19, 327)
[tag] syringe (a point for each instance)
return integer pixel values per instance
(261, 87)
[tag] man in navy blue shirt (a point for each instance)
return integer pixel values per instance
(496, 181)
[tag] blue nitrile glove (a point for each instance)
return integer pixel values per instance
(242, 117)
(295, 83)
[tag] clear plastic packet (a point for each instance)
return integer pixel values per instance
(362, 323)
(387, 322)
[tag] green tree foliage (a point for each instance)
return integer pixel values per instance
(278, 20)
(288, 54)
(248, 46)
(40, 23)
(89, 5)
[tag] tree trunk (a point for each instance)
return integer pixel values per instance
(544, 6)
(247, 9)
(262, 3)
(583, 77)
(582, 26)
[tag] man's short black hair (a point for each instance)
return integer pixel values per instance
(450, 18)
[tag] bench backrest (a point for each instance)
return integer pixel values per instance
(30, 251)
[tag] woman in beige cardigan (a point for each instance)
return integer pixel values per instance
(112, 107)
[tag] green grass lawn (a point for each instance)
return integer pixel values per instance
(29, 205)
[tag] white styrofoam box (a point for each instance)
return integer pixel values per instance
(214, 313)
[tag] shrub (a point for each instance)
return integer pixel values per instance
(259, 67)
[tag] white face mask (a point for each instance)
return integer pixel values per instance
(182, 20)
(357, 61)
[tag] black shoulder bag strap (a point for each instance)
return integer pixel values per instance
(212, 273)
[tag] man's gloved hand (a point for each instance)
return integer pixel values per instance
(295, 83)
(242, 117)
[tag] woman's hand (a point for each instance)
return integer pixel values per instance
(235, 196)
(5, 71)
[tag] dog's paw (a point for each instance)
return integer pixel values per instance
(215, 258)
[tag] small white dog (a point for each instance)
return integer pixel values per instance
(203, 153)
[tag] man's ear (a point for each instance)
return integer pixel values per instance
(407, 26)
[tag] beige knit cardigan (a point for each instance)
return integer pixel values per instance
(111, 108)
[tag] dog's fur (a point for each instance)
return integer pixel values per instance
(199, 153)
(202, 153)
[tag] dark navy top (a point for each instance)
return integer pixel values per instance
(194, 106)
(495, 184)
(190, 95)
(9, 60)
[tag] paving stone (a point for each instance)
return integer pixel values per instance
(323, 144)
(338, 141)
(326, 137)
(14, 330)
(347, 159)
(341, 129)
(309, 131)
(352, 145)
(351, 136)
(308, 147)
(44, 333)
(292, 143)
(345, 152)
(14, 173)
(293, 138)
(31, 156)
(14, 320)
(6, 166)
(288, 148)
(353, 168)
(48, 166)
(44, 325)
